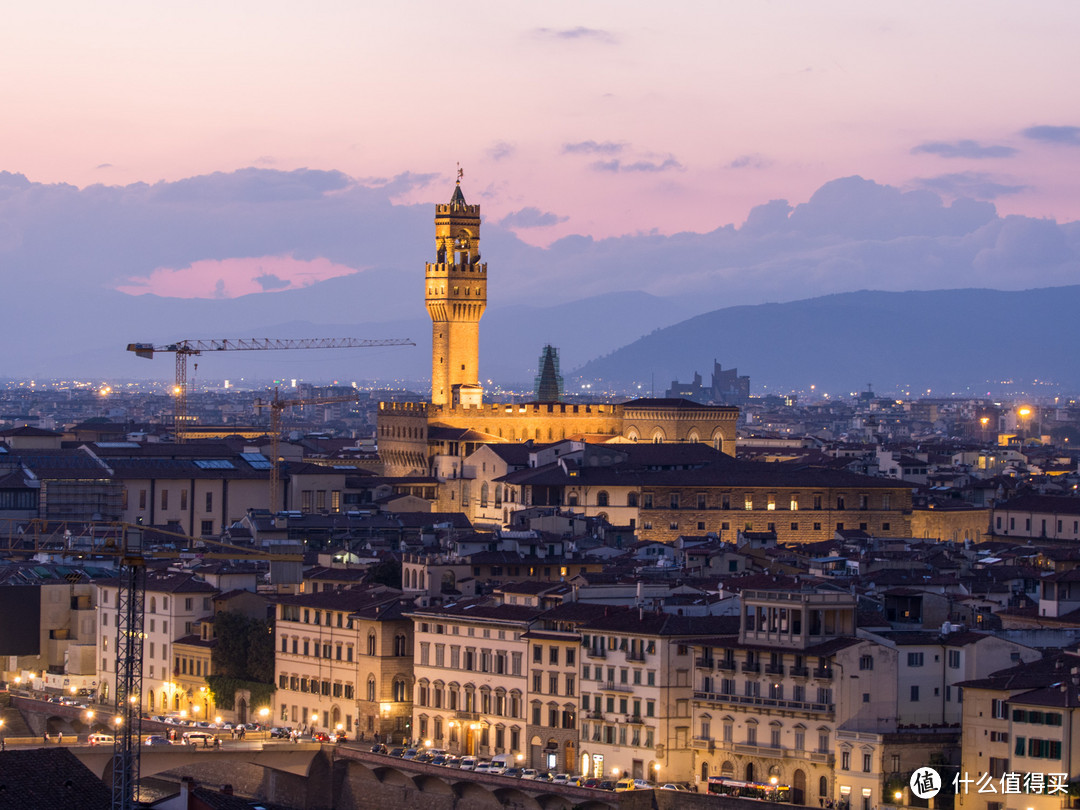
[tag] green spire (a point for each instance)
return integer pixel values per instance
(549, 384)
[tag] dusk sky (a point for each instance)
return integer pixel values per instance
(602, 119)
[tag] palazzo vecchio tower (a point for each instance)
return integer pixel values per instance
(417, 438)
(456, 298)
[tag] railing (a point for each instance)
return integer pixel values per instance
(611, 686)
(704, 663)
(799, 672)
(635, 655)
(703, 742)
(751, 666)
(595, 652)
(774, 669)
(765, 702)
(467, 715)
(823, 673)
(727, 665)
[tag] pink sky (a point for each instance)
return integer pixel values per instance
(695, 112)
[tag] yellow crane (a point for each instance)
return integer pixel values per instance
(277, 408)
(183, 349)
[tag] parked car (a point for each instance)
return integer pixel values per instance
(280, 732)
(514, 772)
(592, 783)
(439, 759)
(468, 763)
(484, 766)
(202, 738)
(560, 779)
(423, 756)
(320, 736)
(409, 753)
(672, 786)
(606, 784)
(378, 748)
(452, 761)
(101, 739)
(529, 773)
(157, 739)
(575, 781)
(397, 752)
(632, 784)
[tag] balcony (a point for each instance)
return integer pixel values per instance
(466, 715)
(595, 652)
(635, 655)
(774, 669)
(726, 665)
(765, 702)
(703, 663)
(751, 666)
(704, 743)
(595, 715)
(611, 686)
(799, 672)
(823, 673)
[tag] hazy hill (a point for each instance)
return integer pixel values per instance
(947, 341)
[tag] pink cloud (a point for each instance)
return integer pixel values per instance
(231, 278)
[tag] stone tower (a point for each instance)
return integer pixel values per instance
(456, 299)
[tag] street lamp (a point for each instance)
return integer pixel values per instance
(264, 713)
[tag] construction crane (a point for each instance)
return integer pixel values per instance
(123, 542)
(277, 407)
(183, 349)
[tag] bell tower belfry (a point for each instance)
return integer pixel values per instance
(456, 299)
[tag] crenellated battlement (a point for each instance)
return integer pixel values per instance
(439, 269)
(449, 209)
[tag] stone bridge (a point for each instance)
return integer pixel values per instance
(360, 776)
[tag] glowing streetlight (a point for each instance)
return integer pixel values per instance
(427, 743)
(118, 721)
(218, 720)
(264, 713)
(899, 796)
(73, 690)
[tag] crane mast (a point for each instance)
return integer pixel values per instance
(125, 543)
(277, 407)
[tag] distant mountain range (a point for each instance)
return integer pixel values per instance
(945, 341)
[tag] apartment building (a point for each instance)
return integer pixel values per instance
(472, 678)
(175, 602)
(1021, 720)
(343, 661)
(768, 701)
(636, 692)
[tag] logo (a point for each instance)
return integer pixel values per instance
(925, 783)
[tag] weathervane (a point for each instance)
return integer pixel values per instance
(460, 172)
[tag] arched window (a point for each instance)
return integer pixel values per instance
(705, 772)
(572, 499)
(602, 498)
(399, 690)
(401, 645)
(437, 729)
(823, 788)
(371, 643)
(371, 688)
(484, 495)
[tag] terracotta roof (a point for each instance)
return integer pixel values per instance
(50, 779)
